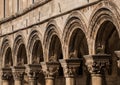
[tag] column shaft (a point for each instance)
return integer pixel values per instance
(70, 81)
(5, 82)
(32, 81)
(49, 81)
(96, 79)
(18, 82)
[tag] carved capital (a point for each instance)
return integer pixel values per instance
(70, 66)
(6, 73)
(118, 55)
(33, 70)
(50, 68)
(97, 64)
(18, 72)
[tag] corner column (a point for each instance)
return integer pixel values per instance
(18, 74)
(70, 67)
(97, 65)
(6, 76)
(33, 71)
(50, 69)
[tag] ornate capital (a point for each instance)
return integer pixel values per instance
(97, 64)
(118, 55)
(18, 72)
(6, 73)
(33, 70)
(50, 68)
(70, 66)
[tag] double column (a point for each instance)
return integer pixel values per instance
(97, 65)
(18, 74)
(6, 76)
(33, 71)
(50, 69)
(70, 67)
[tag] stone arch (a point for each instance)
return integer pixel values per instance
(105, 34)
(20, 51)
(51, 31)
(100, 15)
(105, 10)
(53, 44)
(35, 47)
(6, 53)
(75, 41)
(74, 21)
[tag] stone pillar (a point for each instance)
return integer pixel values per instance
(1, 9)
(18, 74)
(33, 71)
(70, 67)
(49, 70)
(97, 65)
(6, 76)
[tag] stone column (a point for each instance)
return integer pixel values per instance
(70, 67)
(33, 71)
(97, 65)
(18, 74)
(49, 70)
(6, 76)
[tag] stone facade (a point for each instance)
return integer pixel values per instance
(59, 42)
